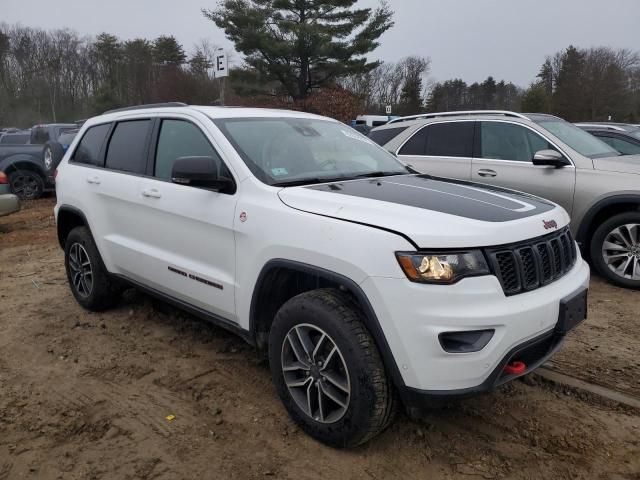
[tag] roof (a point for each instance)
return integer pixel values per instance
(212, 112)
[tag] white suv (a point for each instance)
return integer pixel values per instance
(364, 282)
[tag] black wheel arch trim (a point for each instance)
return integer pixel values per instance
(371, 319)
(75, 211)
(597, 207)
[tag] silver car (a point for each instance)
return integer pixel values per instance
(542, 155)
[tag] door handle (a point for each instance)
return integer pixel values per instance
(93, 179)
(485, 172)
(151, 193)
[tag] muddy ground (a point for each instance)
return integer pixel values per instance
(86, 396)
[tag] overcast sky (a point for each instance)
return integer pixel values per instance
(468, 39)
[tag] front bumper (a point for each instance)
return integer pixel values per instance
(412, 316)
(9, 203)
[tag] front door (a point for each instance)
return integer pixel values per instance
(189, 237)
(504, 156)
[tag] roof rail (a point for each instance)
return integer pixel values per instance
(424, 116)
(148, 105)
(601, 125)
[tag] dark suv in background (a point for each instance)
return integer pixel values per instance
(625, 138)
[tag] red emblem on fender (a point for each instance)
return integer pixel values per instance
(549, 224)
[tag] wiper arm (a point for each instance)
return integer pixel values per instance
(307, 181)
(379, 174)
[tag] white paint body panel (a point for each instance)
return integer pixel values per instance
(200, 232)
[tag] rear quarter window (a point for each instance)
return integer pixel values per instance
(385, 135)
(88, 150)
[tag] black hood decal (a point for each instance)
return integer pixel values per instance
(462, 199)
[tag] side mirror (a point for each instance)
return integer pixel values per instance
(550, 158)
(200, 172)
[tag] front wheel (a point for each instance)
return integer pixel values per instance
(615, 249)
(327, 369)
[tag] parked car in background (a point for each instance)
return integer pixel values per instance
(543, 155)
(624, 138)
(9, 203)
(24, 163)
(372, 120)
(20, 137)
(363, 282)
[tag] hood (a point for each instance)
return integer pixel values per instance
(433, 213)
(622, 164)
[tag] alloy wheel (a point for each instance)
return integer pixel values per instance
(81, 272)
(621, 251)
(25, 185)
(315, 373)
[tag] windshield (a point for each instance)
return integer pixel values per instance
(581, 141)
(289, 151)
(635, 134)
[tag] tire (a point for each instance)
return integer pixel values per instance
(365, 403)
(96, 291)
(622, 234)
(26, 184)
(52, 153)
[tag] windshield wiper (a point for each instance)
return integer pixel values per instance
(378, 174)
(307, 181)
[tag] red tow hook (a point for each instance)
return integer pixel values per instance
(515, 368)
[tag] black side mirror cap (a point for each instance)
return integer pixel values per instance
(201, 172)
(550, 158)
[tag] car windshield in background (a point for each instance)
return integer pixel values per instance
(15, 139)
(292, 151)
(581, 141)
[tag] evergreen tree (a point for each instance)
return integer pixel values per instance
(536, 99)
(167, 51)
(569, 100)
(303, 44)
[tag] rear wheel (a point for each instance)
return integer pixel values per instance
(26, 184)
(89, 281)
(615, 249)
(327, 369)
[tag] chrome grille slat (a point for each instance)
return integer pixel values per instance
(529, 265)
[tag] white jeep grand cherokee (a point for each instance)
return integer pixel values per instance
(365, 282)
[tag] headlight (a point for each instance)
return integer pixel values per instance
(446, 267)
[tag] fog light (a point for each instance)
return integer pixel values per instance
(465, 342)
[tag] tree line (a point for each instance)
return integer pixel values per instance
(61, 76)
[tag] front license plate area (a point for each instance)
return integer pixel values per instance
(573, 310)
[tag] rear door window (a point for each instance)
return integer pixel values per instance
(453, 139)
(385, 135)
(88, 150)
(127, 149)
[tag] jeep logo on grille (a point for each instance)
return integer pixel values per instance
(549, 224)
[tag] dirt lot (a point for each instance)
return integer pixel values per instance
(85, 396)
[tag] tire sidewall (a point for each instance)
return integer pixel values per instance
(596, 248)
(82, 236)
(57, 152)
(355, 422)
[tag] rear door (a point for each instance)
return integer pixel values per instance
(503, 156)
(188, 235)
(442, 149)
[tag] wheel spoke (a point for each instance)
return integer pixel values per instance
(320, 402)
(318, 346)
(621, 270)
(617, 233)
(294, 366)
(305, 342)
(309, 407)
(614, 246)
(333, 394)
(333, 378)
(297, 349)
(329, 357)
(298, 382)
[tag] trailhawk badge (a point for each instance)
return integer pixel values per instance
(549, 224)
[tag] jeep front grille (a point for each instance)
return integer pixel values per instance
(525, 266)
